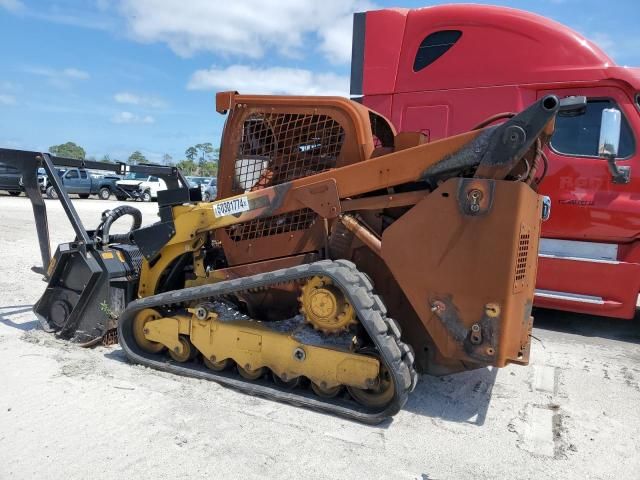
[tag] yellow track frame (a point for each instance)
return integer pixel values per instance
(252, 346)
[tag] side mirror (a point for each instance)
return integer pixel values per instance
(610, 128)
(610, 133)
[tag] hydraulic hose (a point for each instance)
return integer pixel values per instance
(110, 216)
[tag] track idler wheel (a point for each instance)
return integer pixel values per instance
(250, 374)
(378, 395)
(144, 316)
(186, 351)
(324, 391)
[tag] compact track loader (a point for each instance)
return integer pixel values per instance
(339, 259)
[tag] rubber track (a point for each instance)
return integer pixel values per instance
(384, 332)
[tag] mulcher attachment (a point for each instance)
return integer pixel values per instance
(92, 278)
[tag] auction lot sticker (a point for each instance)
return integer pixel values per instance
(231, 206)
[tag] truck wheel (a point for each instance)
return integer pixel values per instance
(51, 193)
(104, 193)
(206, 198)
(84, 196)
(14, 194)
(146, 196)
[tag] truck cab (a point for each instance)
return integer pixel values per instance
(76, 180)
(10, 180)
(442, 70)
(80, 182)
(140, 186)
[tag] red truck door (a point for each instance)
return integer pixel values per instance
(583, 263)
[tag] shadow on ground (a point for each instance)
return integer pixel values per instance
(463, 397)
(117, 354)
(15, 310)
(588, 325)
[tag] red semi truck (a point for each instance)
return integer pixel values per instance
(442, 70)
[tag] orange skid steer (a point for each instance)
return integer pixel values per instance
(338, 261)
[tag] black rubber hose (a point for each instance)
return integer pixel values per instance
(111, 216)
(494, 118)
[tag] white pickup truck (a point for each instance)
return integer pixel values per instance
(140, 186)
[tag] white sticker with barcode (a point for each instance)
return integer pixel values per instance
(231, 206)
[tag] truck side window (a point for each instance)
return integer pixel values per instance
(434, 46)
(579, 135)
(83, 174)
(7, 169)
(154, 179)
(72, 174)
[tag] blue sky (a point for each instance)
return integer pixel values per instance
(121, 75)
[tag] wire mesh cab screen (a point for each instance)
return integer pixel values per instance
(273, 140)
(275, 148)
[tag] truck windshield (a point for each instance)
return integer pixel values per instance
(135, 176)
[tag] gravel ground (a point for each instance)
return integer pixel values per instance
(72, 413)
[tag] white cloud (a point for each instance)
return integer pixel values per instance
(128, 118)
(6, 99)
(248, 28)
(12, 5)
(62, 79)
(336, 38)
(622, 50)
(103, 5)
(141, 100)
(272, 80)
(77, 14)
(11, 143)
(8, 86)
(69, 73)
(75, 74)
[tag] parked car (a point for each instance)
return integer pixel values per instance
(43, 180)
(139, 186)
(10, 180)
(201, 182)
(197, 181)
(78, 181)
(210, 190)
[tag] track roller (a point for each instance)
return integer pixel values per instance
(186, 351)
(288, 384)
(324, 391)
(216, 366)
(251, 374)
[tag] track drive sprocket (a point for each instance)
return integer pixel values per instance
(325, 307)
